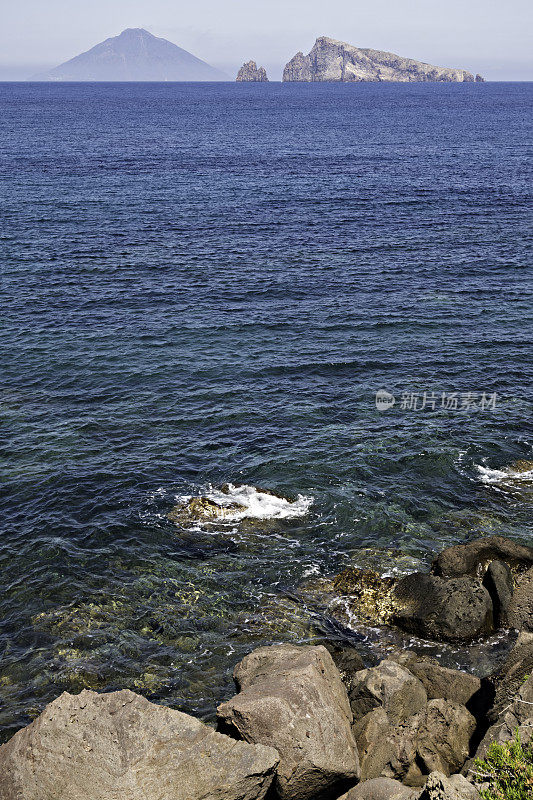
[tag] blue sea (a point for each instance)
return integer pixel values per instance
(207, 284)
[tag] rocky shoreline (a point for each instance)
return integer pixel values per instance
(314, 722)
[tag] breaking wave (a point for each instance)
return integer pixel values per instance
(257, 503)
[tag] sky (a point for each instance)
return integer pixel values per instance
(492, 37)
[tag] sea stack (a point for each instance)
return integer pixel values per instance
(331, 60)
(251, 73)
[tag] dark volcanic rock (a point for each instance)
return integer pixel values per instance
(474, 557)
(459, 609)
(294, 699)
(118, 745)
(250, 72)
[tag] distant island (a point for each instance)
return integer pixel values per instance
(134, 55)
(331, 60)
(250, 72)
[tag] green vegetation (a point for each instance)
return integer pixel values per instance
(508, 769)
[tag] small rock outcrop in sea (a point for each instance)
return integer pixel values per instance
(294, 698)
(331, 60)
(472, 590)
(202, 509)
(251, 73)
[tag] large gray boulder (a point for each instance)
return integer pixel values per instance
(443, 737)
(376, 745)
(116, 746)
(517, 715)
(438, 681)
(389, 686)
(442, 683)
(474, 557)
(512, 675)
(520, 609)
(381, 789)
(456, 787)
(293, 699)
(436, 738)
(458, 609)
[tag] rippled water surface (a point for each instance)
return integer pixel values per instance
(206, 284)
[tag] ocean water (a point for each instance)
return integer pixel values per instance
(206, 285)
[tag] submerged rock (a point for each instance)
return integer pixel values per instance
(250, 72)
(331, 60)
(294, 699)
(371, 594)
(202, 509)
(118, 745)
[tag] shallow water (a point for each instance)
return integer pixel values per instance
(206, 284)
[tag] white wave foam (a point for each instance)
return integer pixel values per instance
(257, 504)
(498, 476)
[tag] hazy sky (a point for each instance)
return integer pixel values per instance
(488, 36)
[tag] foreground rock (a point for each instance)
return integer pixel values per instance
(250, 72)
(458, 609)
(448, 684)
(294, 699)
(519, 612)
(116, 746)
(456, 787)
(331, 60)
(381, 789)
(399, 733)
(518, 715)
(438, 787)
(512, 675)
(390, 687)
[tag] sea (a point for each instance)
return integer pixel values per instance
(312, 300)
